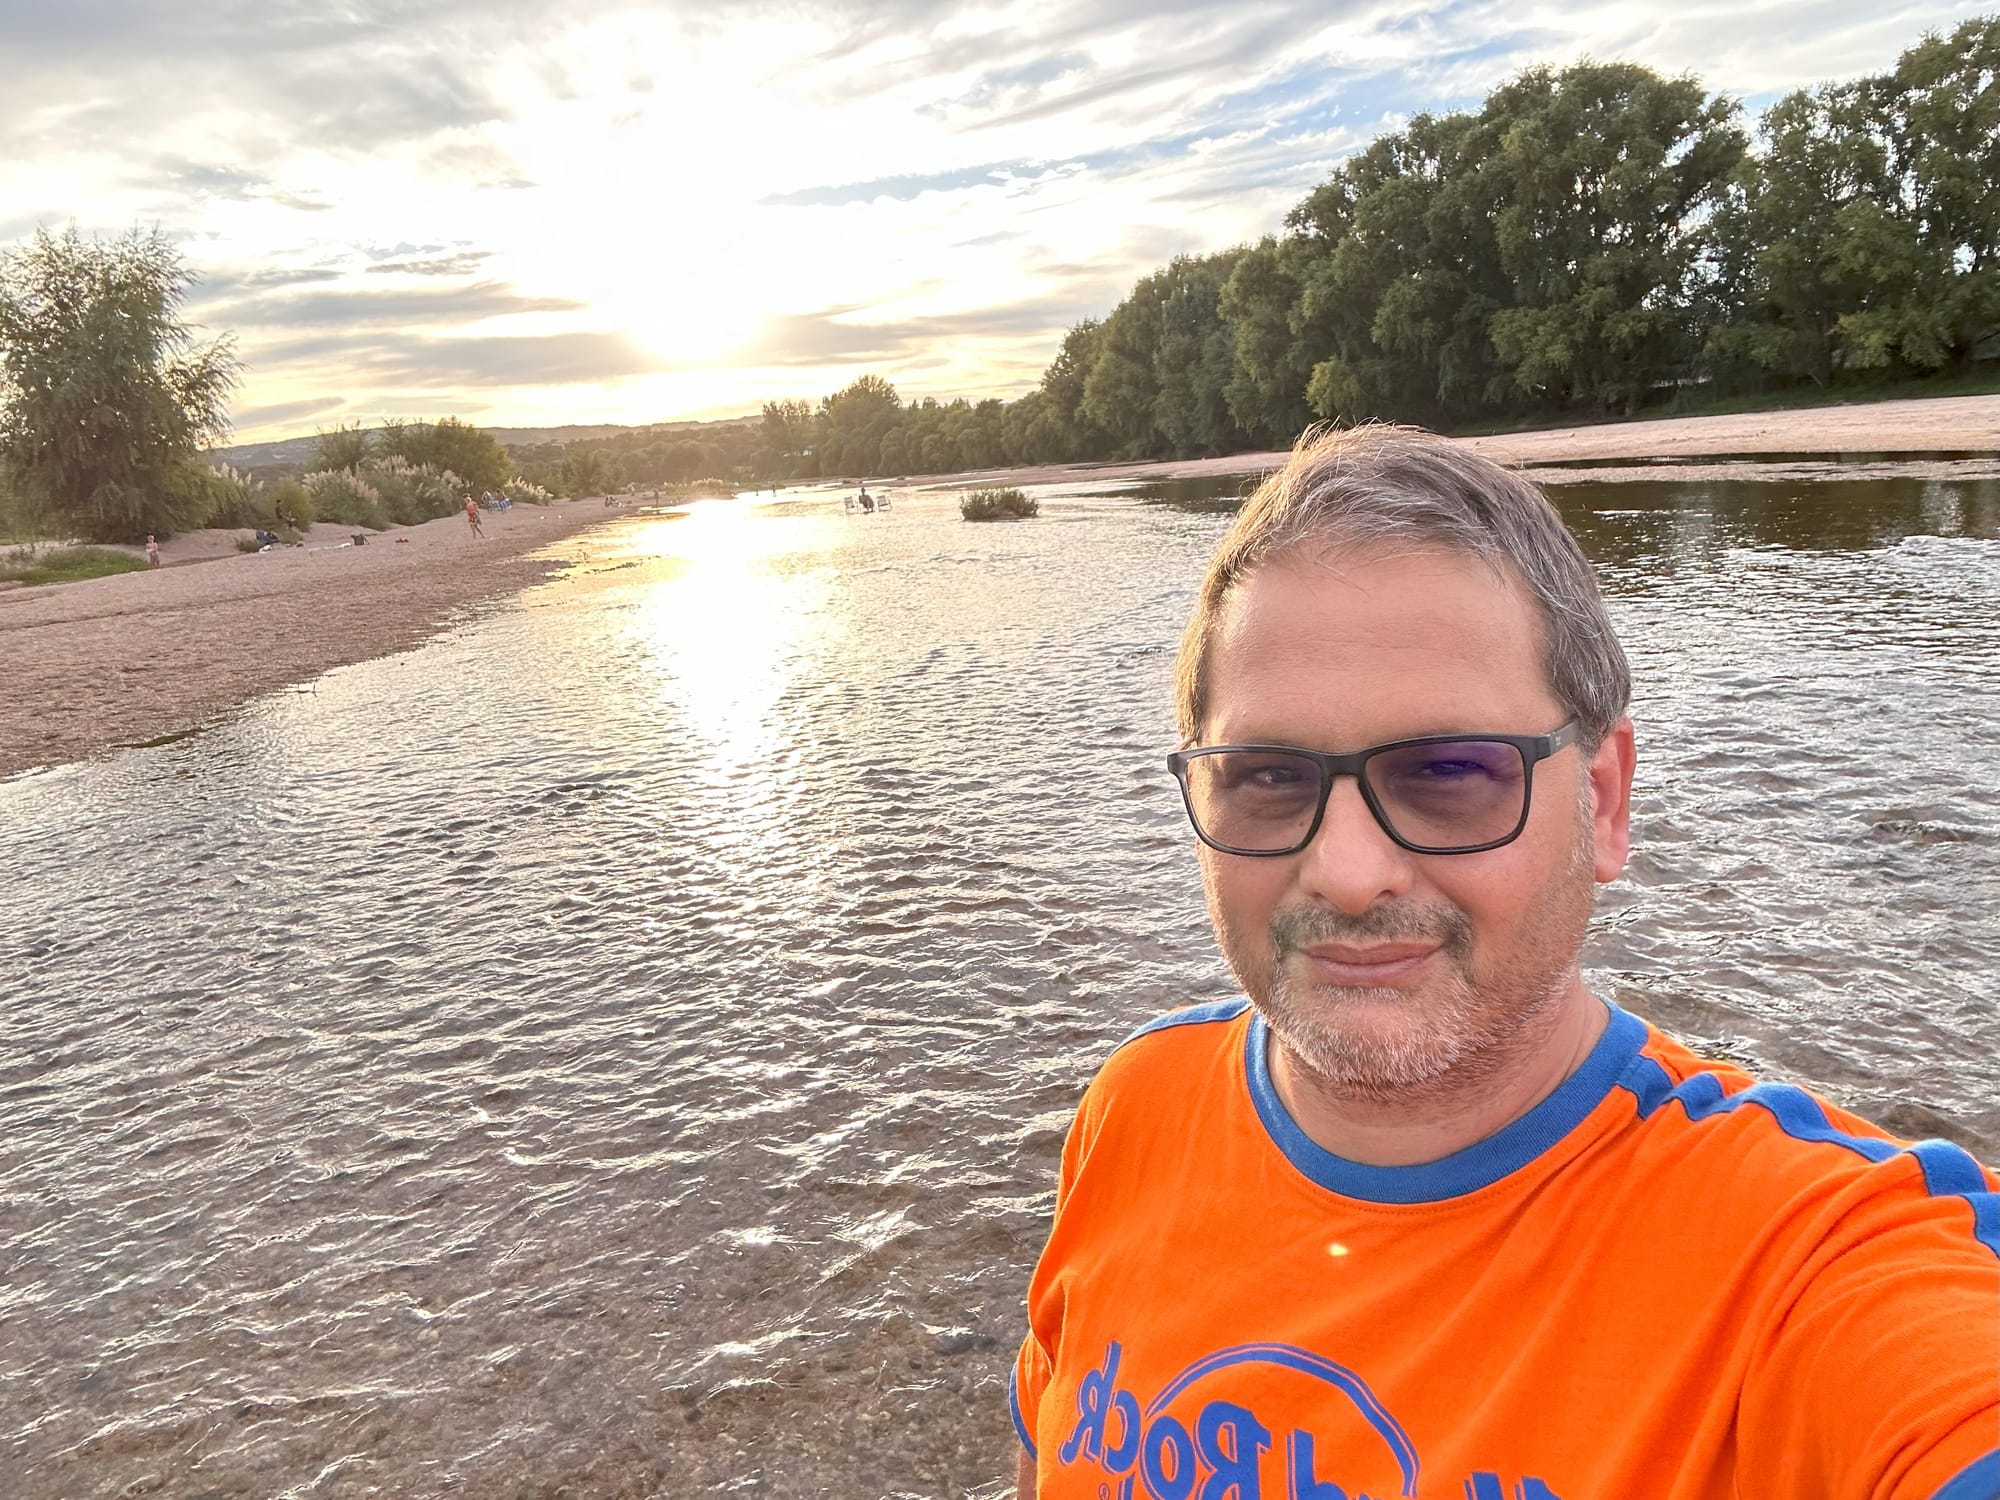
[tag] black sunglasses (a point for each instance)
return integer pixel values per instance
(1438, 794)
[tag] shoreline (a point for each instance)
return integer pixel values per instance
(1944, 424)
(111, 663)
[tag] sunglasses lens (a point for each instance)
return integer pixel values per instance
(1261, 801)
(1456, 795)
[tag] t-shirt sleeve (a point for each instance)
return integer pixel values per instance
(1026, 1387)
(1883, 1377)
(1034, 1365)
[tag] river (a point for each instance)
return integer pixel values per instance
(621, 1047)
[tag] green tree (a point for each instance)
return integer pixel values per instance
(341, 448)
(585, 472)
(1266, 390)
(1119, 394)
(1030, 432)
(1779, 291)
(785, 436)
(1399, 278)
(459, 447)
(853, 423)
(1195, 360)
(1063, 385)
(1938, 239)
(106, 396)
(1603, 178)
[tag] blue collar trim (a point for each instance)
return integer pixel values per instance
(1479, 1165)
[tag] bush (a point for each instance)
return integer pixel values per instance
(997, 505)
(291, 504)
(66, 564)
(525, 492)
(236, 502)
(412, 493)
(344, 497)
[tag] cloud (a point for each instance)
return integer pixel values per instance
(284, 411)
(912, 185)
(394, 252)
(1016, 81)
(27, 224)
(219, 286)
(204, 178)
(829, 337)
(461, 264)
(397, 308)
(87, 74)
(468, 361)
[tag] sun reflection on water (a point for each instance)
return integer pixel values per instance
(726, 633)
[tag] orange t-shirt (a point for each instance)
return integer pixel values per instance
(1665, 1280)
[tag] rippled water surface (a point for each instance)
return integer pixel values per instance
(621, 1048)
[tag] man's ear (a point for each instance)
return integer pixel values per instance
(1610, 773)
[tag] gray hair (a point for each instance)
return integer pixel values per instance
(1377, 483)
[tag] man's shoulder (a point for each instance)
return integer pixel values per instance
(1168, 1050)
(1768, 1143)
(1212, 1013)
(1209, 1027)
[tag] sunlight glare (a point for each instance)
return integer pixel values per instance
(727, 635)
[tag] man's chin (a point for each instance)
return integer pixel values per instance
(1369, 1041)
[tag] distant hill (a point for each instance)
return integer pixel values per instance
(296, 452)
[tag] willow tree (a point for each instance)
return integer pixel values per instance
(106, 396)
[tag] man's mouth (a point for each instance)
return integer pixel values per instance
(1365, 965)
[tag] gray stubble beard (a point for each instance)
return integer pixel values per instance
(1463, 1034)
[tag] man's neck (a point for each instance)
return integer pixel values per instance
(1458, 1109)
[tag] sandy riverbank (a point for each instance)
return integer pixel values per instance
(126, 659)
(1950, 424)
(122, 660)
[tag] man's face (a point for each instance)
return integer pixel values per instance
(1380, 970)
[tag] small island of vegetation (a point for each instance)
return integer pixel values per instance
(997, 505)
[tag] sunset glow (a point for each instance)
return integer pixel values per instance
(602, 214)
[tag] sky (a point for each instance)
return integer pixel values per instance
(526, 214)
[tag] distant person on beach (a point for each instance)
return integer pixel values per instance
(472, 516)
(1420, 1202)
(152, 551)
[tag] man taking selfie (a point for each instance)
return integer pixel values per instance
(1421, 1214)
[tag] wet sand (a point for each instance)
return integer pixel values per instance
(119, 661)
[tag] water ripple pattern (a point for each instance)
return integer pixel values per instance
(621, 1047)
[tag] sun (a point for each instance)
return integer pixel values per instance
(684, 331)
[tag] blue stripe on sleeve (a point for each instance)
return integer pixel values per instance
(1947, 1170)
(1193, 1015)
(1014, 1411)
(1980, 1482)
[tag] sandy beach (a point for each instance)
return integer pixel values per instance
(127, 659)
(1952, 424)
(124, 660)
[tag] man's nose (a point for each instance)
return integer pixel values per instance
(1352, 862)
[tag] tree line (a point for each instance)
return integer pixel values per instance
(1592, 241)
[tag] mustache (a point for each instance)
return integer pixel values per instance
(1297, 928)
